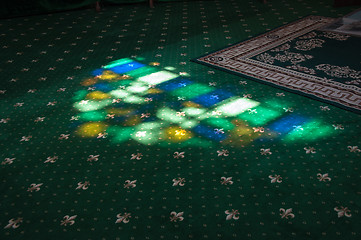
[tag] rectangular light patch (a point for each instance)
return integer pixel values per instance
(192, 91)
(118, 62)
(237, 106)
(157, 77)
(119, 93)
(141, 72)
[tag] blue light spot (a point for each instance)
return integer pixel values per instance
(286, 124)
(174, 84)
(105, 87)
(97, 72)
(212, 98)
(209, 133)
(126, 67)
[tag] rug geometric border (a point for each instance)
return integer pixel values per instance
(236, 59)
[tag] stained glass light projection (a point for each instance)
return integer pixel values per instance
(127, 100)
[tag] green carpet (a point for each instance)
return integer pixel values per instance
(108, 131)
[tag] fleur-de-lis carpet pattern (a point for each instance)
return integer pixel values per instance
(108, 131)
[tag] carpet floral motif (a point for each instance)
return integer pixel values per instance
(339, 72)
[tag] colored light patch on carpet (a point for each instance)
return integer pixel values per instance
(260, 115)
(287, 123)
(134, 99)
(193, 111)
(120, 84)
(219, 123)
(141, 72)
(154, 91)
(119, 111)
(119, 93)
(91, 129)
(170, 115)
(80, 95)
(175, 84)
(89, 81)
(235, 106)
(191, 91)
(157, 77)
(148, 133)
(310, 131)
(118, 63)
(191, 104)
(241, 135)
(120, 69)
(91, 105)
(104, 87)
(188, 124)
(110, 76)
(137, 111)
(97, 95)
(138, 88)
(131, 121)
(212, 98)
(93, 116)
(209, 133)
(120, 134)
(177, 134)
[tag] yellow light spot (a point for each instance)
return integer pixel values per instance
(119, 111)
(154, 64)
(91, 129)
(241, 135)
(97, 95)
(132, 121)
(112, 76)
(89, 81)
(154, 91)
(177, 134)
(191, 104)
(181, 132)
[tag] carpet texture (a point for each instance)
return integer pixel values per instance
(108, 131)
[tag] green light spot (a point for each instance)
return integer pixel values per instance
(79, 95)
(120, 134)
(170, 68)
(190, 111)
(141, 72)
(119, 93)
(93, 116)
(219, 123)
(310, 131)
(86, 106)
(121, 83)
(192, 91)
(188, 124)
(118, 62)
(148, 133)
(169, 115)
(133, 99)
(261, 116)
(140, 58)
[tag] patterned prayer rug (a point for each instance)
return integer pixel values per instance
(300, 58)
